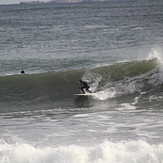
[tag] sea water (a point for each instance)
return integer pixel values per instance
(116, 47)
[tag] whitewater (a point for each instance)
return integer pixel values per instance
(116, 47)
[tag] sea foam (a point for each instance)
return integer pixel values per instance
(106, 152)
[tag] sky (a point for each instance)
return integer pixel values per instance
(18, 1)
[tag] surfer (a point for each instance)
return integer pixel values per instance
(84, 85)
(22, 72)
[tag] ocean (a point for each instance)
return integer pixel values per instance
(117, 47)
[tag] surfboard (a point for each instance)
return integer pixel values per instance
(84, 94)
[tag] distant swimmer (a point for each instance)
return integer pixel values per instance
(84, 85)
(22, 72)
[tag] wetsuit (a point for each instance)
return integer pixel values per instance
(84, 85)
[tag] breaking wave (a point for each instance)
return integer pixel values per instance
(58, 88)
(107, 152)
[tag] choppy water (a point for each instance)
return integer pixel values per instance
(116, 47)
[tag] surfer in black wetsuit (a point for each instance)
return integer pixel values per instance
(84, 85)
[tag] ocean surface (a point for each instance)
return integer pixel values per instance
(117, 47)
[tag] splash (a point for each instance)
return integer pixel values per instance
(155, 54)
(159, 56)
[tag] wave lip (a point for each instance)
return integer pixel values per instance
(120, 71)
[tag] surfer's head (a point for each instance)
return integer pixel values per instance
(80, 81)
(22, 72)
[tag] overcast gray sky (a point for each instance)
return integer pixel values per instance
(18, 1)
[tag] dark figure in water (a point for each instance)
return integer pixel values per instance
(84, 85)
(22, 72)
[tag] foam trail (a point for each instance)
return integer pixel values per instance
(107, 152)
(105, 94)
(126, 106)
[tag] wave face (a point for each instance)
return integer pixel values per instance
(57, 89)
